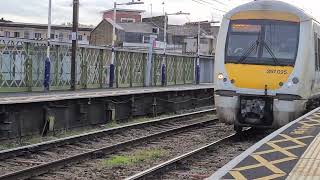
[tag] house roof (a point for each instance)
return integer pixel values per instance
(112, 23)
(124, 10)
(40, 26)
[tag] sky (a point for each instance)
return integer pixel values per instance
(35, 11)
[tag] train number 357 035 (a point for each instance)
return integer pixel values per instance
(274, 71)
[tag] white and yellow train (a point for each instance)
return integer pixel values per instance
(267, 68)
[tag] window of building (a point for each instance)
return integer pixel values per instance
(80, 37)
(155, 30)
(51, 36)
(37, 35)
(128, 20)
(26, 35)
(6, 34)
(60, 36)
(16, 34)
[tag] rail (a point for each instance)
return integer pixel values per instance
(43, 167)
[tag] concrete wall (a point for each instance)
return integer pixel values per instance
(20, 120)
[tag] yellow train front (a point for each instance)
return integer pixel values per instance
(266, 64)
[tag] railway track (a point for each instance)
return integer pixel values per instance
(202, 162)
(29, 161)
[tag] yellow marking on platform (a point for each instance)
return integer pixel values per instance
(237, 175)
(271, 165)
(285, 140)
(268, 164)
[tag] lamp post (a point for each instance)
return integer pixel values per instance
(163, 66)
(47, 63)
(112, 67)
(74, 35)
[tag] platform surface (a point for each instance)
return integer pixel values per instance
(292, 152)
(20, 98)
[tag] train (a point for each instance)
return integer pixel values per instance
(267, 65)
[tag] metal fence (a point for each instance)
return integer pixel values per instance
(22, 67)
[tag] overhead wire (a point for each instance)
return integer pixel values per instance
(202, 3)
(218, 2)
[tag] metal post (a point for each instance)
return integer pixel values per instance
(112, 67)
(74, 43)
(49, 28)
(198, 55)
(148, 71)
(163, 66)
(47, 63)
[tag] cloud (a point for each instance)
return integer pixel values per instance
(36, 10)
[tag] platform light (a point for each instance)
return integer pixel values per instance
(220, 76)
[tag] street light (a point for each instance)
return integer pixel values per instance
(112, 67)
(163, 68)
(47, 62)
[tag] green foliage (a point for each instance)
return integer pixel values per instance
(135, 158)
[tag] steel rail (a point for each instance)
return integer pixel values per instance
(46, 167)
(78, 138)
(166, 165)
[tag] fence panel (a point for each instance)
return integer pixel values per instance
(123, 68)
(137, 64)
(189, 70)
(60, 74)
(22, 67)
(171, 70)
(156, 69)
(15, 66)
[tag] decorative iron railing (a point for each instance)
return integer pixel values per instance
(22, 67)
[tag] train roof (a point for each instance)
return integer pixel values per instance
(274, 5)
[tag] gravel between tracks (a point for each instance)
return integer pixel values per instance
(175, 145)
(203, 165)
(32, 159)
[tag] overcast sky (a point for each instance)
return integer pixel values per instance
(35, 11)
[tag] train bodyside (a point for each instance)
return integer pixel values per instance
(252, 90)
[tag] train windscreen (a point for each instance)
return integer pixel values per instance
(262, 42)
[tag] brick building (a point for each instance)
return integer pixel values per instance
(138, 33)
(124, 15)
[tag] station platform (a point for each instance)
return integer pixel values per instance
(22, 98)
(292, 152)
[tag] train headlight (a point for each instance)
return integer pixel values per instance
(220, 76)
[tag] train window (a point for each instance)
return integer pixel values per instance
(262, 42)
(282, 40)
